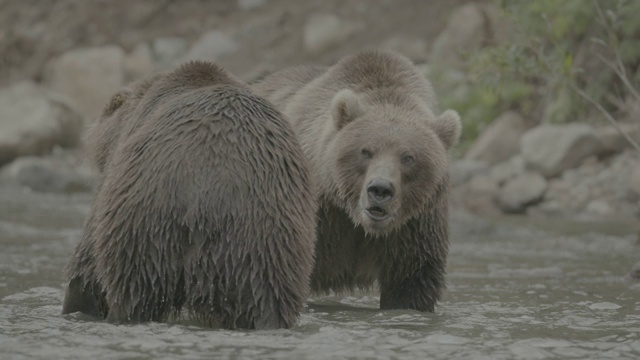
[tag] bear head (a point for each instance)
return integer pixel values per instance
(389, 156)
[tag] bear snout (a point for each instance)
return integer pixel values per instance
(380, 190)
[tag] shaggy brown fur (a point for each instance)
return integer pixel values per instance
(370, 129)
(204, 203)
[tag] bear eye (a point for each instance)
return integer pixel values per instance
(366, 154)
(407, 159)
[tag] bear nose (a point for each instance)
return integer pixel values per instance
(380, 190)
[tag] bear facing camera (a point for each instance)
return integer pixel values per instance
(204, 206)
(378, 147)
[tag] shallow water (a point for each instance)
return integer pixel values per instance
(515, 292)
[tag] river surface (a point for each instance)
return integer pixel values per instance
(517, 290)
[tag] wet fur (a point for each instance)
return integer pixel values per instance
(408, 258)
(204, 203)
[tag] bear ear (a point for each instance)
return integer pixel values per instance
(448, 127)
(345, 107)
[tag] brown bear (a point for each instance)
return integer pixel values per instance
(379, 151)
(204, 203)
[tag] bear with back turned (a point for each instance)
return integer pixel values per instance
(378, 147)
(204, 203)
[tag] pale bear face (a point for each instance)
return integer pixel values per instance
(389, 159)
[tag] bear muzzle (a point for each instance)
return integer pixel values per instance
(380, 192)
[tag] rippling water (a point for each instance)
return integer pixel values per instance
(515, 292)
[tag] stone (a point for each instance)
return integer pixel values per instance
(635, 270)
(599, 207)
(139, 63)
(551, 149)
(507, 169)
(212, 45)
(167, 50)
(483, 184)
(552, 207)
(634, 181)
(468, 29)
(518, 193)
(464, 33)
(477, 196)
(250, 4)
(89, 76)
(500, 140)
(44, 175)
(323, 31)
(33, 120)
(463, 170)
(463, 223)
(414, 49)
(613, 141)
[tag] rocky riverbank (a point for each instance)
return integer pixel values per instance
(51, 90)
(572, 170)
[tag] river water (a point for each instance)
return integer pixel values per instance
(517, 290)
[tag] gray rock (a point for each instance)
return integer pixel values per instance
(483, 184)
(323, 31)
(250, 4)
(635, 271)
(615, 142)
(88, 76)
(634, 181)
(465, 32)
(167, 50)
(522, 191)
(464, 224)
(500, 140)
(212, 45)
(44, 175)
(463, 170)
(477, 195)
(507, 169)
(139, 63)
(599, 207)
(414, 49)
(551, 149)
(33, 120)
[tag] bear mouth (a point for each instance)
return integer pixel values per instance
(376, 213)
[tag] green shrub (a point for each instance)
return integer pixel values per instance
(554, 47)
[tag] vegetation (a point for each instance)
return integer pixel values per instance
(563, 61)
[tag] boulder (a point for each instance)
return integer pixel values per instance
(507, 169)
(599, 208)
(250, 4)
(613, 141)
(463, 170)
(464, 32)
(463, 224)
(45, 175)
(477, 196)
(518, 193)
(500, 140)
(212, 45)
(634, 181)
(139, 63)
(33, 120)
(551, 149)
(635, 270)
(88, 76)
(323, 31)
(413, 48)
(468, 29)
(167, 50)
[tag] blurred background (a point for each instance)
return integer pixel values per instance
(547, 90)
